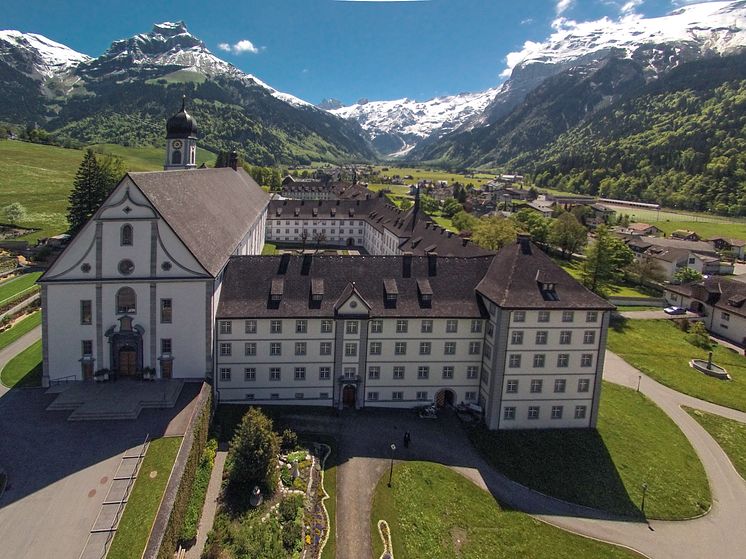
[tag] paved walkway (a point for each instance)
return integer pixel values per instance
(210, 507)
(15, 348)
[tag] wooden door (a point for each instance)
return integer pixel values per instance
(348, 396)
(166, 369)
(87, 370)
(127, 362)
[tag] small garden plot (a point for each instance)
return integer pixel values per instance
(272, 503)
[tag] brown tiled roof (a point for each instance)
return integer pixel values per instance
(516, 275)
(724, 294)
(210, 210)
(248, 281)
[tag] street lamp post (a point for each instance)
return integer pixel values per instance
(644, 491)
(391, 468)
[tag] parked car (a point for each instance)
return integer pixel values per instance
(674, 310)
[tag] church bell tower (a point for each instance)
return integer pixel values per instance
(181, 140)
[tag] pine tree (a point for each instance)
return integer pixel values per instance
(90, 188)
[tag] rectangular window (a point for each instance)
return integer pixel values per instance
(374, 373)
(591, 316)
(226, 350)
(226, 327)
(299, 395)
(351, 326)
(274, 396)
(563, 360)
(586, 360)
(326, 326)
(487, 351)
(472, 372)
(584, 385)
(541, 337)
(300, 348)
(350, 349)
(565, 337)
(249, 348)
(589, 337)
(559, 385)
(400, 348)
(275, 348)
(325, 373)
(250, 326)
(533, 412)
(402, 326)
(449, 348)
(373, 396)
(544, 316)
(509, 413)
(475, 348)
(350, 373)
(324, 395)
(451, 326)
(249, 374)
(376, 326)
(490, 329)
(568, 316)
(580, 412)
(511, 387)
(423, 372)
(470, 396)
(448, 372)
(275, 327)
(225, 373)
(539, 359)
(556, 412)
(166, 346)
(476, 326)
(87, 347)
(514, 361)
(166, 308)
(397, 395)
(426, 327)
(536, 386)
(425, 348)
(398, 372)
(725, 316)
(516, 337)
(421, 395)
(301, 326)
(249, 396)
(325, 348)
(519, 316)
(300, 373)
(275, 374)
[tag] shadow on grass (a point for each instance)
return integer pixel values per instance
(32, 379)
(619, 323)
(570, 464)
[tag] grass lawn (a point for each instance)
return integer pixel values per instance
(635, 443)
(729, 434)
(24, 370)
(330, 484)
(22, 327)
(658, 348)
(434, 512)
(142, 506)
(14, 286)
(573, 267)
(269, 249)
(445, 222)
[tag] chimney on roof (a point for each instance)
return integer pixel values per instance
(234, 160)
(432, 264)
(407, 265)
(524, 240)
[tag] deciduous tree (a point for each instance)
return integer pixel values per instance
(605, 261)
(567, 234)
(493, 233)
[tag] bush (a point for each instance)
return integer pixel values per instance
(292, 536)
(289, 440)
(699, 337)
(252, 459)
(289, 508)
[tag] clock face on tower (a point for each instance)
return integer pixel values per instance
(176, 144)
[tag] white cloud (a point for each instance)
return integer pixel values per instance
(244, 45)
(630, 7)
(527, 21)
(562, 6)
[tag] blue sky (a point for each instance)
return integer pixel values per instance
(331, 48)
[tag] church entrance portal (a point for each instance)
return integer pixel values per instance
(445, 398)
(349, 393)
(127, 361)
(126, 347)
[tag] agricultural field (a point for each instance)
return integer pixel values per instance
(40, 177)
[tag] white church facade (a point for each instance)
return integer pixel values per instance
(166, 277)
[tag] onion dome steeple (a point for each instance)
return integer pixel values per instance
(181, 140)
(182, 124)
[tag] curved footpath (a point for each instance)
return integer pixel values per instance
(15, 348)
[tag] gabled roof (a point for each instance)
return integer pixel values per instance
(210, 210)
(724, 294)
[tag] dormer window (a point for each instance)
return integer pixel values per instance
(425, 292)
(277, 289)
(391, 291)
(317, 290)
(125, 235)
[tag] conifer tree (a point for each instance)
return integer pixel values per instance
(89, 191)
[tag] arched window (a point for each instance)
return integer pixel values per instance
(125, 235)
(176, 157)
(126, 301)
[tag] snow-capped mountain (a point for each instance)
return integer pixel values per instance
(43, 57)
(659, 44)
(396, 126)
